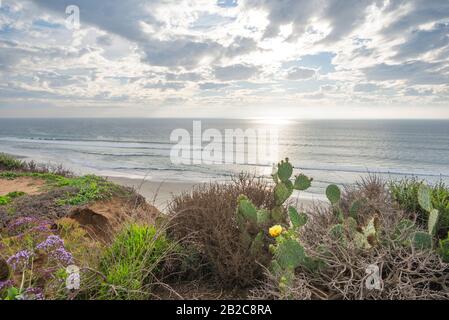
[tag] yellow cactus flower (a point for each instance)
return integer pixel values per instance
(275, 231)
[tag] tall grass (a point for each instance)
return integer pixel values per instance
(132, 263)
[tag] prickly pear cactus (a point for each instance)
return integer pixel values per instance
(351, 226)
(434, 216)
(246, 209)
(282, 191)
(263, 217)
(278, 214)
(425, 197)
(355, 208)
(370, 230)
(257, 244)
(333, 194)
(302, 182)
(443, 249)
(422, 241)
(298, 220)
(290, 254)
(337, 232)
(285, 170)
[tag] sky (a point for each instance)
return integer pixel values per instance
(225, 58)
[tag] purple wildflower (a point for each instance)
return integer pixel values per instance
(33, 294)
(20, 259)
(20, 222)
(62, 255)
(52, 242)
(6, 284)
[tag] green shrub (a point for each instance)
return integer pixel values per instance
(132, 262)
(8, 162)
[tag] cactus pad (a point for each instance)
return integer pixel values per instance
(297, 219)
(285, 170)
(422, 241)
(333, 194)
(302, 182)
(290, 254)
(425, 197)
(246, 209)
(263, 217)
(257, 244)
(337, 232)
(433, 221)
(444, 249)
(355, 209)
(282, 192)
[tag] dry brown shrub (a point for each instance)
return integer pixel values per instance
(373, 196)
(204, 220)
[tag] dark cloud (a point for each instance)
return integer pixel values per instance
(241, 46)
(282, 12)
(187, 76)
(412, 13)
(423, 41)
(178, 53)
(235, 72)
(366, 87)
(300, 74)
(104, 40)
(414, 72)
(213, 85)
(164, 86)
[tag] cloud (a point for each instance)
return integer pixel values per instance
(212, 85)
(225, 52)
(342, 15)
(413, 72)
(300, 74)
(187, 76)
(423, 41)
(366, 87)
(413, 13)
(163, 86)
(235, 72)
(104, 40)
(180, 52)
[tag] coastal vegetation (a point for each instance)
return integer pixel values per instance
(70, 237)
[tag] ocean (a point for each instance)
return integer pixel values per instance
(330, 151)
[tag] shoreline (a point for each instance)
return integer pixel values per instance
(160, 193)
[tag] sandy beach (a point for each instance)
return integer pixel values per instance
(161, 193)
(157, 193)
